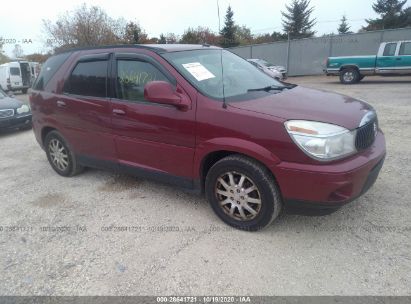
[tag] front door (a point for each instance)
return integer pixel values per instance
(151, 138)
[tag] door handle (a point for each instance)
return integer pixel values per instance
(119, 112)
(61, 104)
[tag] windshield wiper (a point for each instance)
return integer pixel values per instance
(269, 88)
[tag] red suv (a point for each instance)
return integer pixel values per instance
(205, 119)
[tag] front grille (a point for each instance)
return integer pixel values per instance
(6, 113)
(366, 135)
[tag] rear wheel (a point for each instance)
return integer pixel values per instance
(60, 157)
(243, 193)
(350, 76)
(24, 91)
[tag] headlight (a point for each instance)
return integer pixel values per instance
(322, 141)
(23, 109)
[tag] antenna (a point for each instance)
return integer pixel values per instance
(222, 80)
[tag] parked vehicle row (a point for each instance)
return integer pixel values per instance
(205, 119)
(18, 75)
(393, 59)
(272, 70)
(13, 113)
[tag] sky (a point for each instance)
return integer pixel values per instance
(24, 25)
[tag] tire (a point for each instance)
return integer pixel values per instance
(349, 76)
(63, 160)
(361, 77)
(24, 91)
(265, 200)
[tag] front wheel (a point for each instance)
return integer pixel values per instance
(59, 155)
(350, 76)
(243, 193)
(24, 91)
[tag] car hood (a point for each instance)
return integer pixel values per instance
(276, 68)
(309, 104)
(10, 103)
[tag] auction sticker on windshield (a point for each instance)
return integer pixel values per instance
(199, 71)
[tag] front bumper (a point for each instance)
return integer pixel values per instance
(17, 121)
(331, 185)
(331, 72)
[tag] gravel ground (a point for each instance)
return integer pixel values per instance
(62, 236)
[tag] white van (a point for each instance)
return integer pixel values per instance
(15, 76)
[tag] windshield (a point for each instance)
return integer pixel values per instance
(203, 69)
(2, 94)
(265, 63)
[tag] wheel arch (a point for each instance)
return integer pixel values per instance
(243, 148)
(44, 131)
(349, 66)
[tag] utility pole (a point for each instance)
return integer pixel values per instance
(219, 22)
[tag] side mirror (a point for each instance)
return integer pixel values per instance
(163, 92)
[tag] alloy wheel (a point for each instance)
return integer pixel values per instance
(348, 76)
(238, 196)
(59, 155)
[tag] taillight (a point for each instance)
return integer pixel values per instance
(326, 62)
(8, 80)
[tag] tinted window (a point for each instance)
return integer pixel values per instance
(132, 76)
(15, 71)
(405, 48)
(48, 69)
(390, 49)
(88, 79)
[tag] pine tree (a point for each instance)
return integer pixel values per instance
(391, 15)
(297, 20)
(344, 28)
(388, 7)
(228, 31)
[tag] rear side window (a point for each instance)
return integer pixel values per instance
(15, 71)
(88, 78)
(389, 49)
(48, 69)
(405, 48)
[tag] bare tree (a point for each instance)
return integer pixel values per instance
(85, 26)
(134, 34)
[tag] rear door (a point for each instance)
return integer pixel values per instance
(84, 109)
(387, 59)
(25, 74)
(404, 58)
(151, 138)
(15, 75)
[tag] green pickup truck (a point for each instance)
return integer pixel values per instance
(393, 59)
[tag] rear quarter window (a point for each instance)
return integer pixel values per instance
(405, 48)
(48, 69)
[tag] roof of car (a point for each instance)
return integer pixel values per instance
(158, 48)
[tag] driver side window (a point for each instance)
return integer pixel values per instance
(132, 76)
